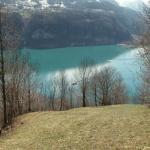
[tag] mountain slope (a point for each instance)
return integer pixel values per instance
(78, 23)
(74, 28)
(111, 128)
(82, 24)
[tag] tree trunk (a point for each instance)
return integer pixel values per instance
(29, 101)
(95, 95)
(3, 74)
(84, 98)
(61, 104)
(53, 105)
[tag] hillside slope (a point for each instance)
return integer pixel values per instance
(90, 24)
(78, 23)
(113, 127)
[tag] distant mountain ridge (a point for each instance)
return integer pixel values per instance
(134, 4)
(75, 3)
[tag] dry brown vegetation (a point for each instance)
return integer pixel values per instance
(121, 127)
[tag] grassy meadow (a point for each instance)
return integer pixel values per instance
(120, 127)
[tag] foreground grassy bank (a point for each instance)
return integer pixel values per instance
(113, 127)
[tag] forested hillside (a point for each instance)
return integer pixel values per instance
(89, 24)
(79, 23)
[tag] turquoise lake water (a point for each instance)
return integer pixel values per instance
(49, 61)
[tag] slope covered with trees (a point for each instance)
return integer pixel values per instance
(92, 23)
(67, 23)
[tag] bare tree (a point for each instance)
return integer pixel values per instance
(144, 88)
(2, 69)
(119, 91)
(94, 85)
(84, 73)
(71, 95)
(62, 86)
(53, 91)
(30, 73)
(9, 40)
(111, 86)
(145, 55)
(20, 84)
(71, 90)
(106, 82)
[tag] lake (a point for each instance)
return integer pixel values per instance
(50, 61)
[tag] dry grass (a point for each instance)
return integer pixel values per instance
(125, 127)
